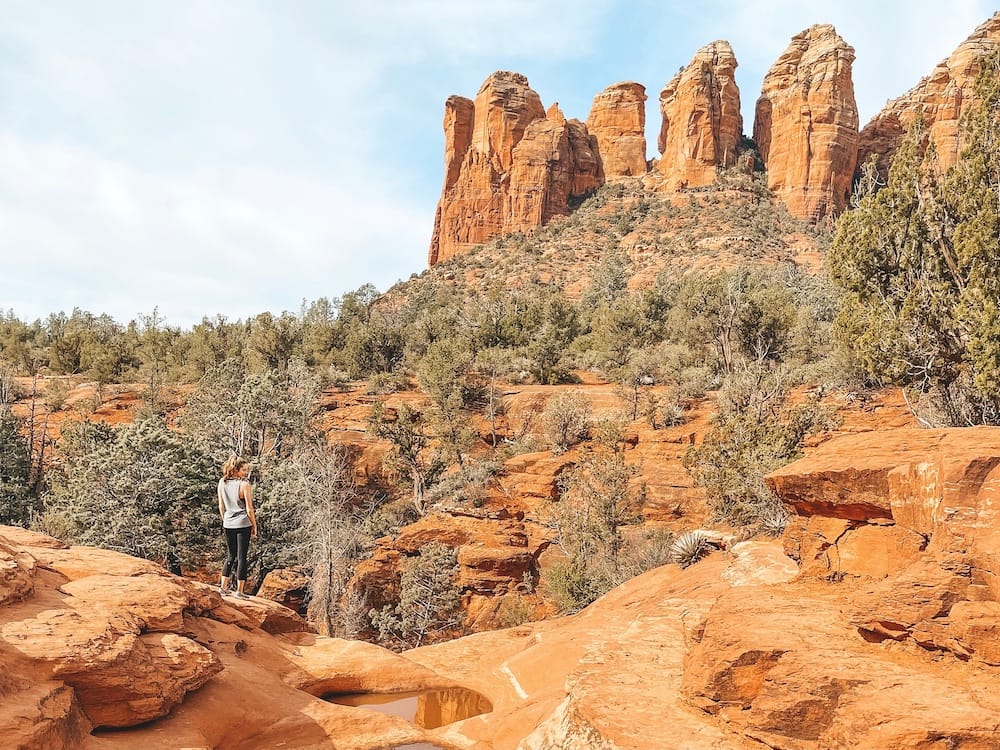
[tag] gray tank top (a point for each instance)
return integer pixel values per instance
(236, 508)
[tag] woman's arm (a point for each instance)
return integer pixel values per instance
(222, 503)
(248, 497)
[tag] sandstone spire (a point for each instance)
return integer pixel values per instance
(555, 160)
(509, 165)
(618, 120)
(702, 125)
(940, 99)
(479, 146)
(806, 123)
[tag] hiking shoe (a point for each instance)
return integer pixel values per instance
(241, 595)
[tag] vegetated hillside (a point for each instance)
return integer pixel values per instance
(650, 233)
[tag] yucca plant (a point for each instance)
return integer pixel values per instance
(689, 548)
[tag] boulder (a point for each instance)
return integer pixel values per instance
(288, 587)
(916, 510)
(806, 124)
(702, 125)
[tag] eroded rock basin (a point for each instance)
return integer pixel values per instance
(428, 709)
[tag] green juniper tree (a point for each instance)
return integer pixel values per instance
(140, 489)
(917, 263)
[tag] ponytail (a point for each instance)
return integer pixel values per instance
(232, 466)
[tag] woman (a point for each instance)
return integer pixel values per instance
(238, 520)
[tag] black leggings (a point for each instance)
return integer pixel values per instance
(237, 544)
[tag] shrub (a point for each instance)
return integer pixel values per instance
(139, 489)
(429, 605)
(689, 548)
(567, 420)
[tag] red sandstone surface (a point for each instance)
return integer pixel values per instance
(617, 120)
(702, 125)
(806, 124)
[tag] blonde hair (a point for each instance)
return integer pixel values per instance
(232, 467)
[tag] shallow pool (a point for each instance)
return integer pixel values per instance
(428, 709)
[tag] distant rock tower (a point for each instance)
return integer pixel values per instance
(806, 124)
(509, 165)
(702, 125)
(618, 120)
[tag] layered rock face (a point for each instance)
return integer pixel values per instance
(508, 165)
(916, 511)
(806, 124)
(940, 100)
(702, 125)
(91, 639)
(555, 160)
(617, 120)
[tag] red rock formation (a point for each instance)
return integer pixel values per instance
(618, 120)
(940, 99)
(702, 125)
(923, 504)
(480, 139)
(508, 165)
(806, 124)
(555, 160)
(90, 639)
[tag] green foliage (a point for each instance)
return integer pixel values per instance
(566, 420)
(743, 315)
(255, 415)
(917, 262)
(139, 489)
(17, 505)
(753, 433)
(411, 458)
(443, 377)
(596, 503)
(429, 604)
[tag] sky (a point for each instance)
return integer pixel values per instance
(235, 156)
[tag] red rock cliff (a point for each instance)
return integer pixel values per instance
(941, 99)
(806, 123)
(702, 125)
(555, 160)
(508, 165)
(618, 120)
(479, 146)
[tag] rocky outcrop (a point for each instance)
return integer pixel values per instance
(617, 120)
(555, 160)
(91, 639)
(702, 125)
(723, 659)
(916, 513)
(508, 165)
(806, 124)
(939, 100)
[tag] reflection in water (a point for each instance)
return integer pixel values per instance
(430, 709)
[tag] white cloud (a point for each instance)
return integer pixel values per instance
(81, 230)
(237, 156)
